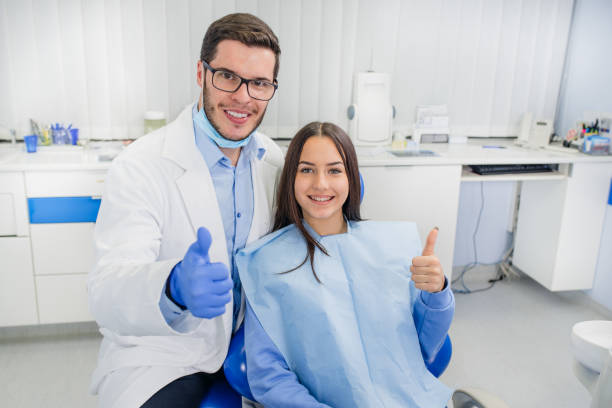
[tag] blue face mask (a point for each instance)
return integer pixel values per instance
(204, 124)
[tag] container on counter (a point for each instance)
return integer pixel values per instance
(153, 120)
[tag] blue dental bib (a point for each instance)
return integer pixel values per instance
(351, 340)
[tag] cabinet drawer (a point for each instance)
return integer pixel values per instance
(65, 183)
(62, 299)
(17, 295)
(8, 226)
(51, 210)
(13, 214)
(62, 248)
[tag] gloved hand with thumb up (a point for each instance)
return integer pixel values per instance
(199, 285)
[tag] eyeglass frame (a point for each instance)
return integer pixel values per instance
(242, 81)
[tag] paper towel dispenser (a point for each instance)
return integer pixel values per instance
(371, 114)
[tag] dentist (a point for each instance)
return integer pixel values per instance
(179, 203)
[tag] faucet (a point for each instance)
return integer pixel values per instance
(13, 133)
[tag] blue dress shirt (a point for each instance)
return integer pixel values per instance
(234, 191)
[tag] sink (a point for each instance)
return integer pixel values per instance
(7, 151)
(413, 153)
(62, 154)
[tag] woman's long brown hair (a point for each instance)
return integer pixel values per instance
(288, 210)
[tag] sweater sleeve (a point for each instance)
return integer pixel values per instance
(433, 314)
(272, 382)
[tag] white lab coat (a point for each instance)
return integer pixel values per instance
(158, 193)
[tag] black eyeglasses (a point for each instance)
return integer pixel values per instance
(229, 82)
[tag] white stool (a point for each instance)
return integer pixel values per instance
(591, 343)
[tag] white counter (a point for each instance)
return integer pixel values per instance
(15, 158)
(477, 152)
(473, 152)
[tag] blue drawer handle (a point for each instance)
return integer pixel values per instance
(52, 210)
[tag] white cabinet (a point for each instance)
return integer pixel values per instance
(61, 231)
(427, 195)
(17, 290)
(46, 244)
(62, 298)
(559, 227)
(17, 293)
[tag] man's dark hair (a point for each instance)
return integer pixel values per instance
(243, 27)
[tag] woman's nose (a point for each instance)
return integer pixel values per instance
(321, 181)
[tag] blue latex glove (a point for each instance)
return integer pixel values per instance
(203, 287)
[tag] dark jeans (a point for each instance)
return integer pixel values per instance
(184, 392)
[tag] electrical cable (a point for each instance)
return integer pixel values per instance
(500, 274)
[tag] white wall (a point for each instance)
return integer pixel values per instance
(587, 79)
(101, 63)
(587, 87)
(492, 237)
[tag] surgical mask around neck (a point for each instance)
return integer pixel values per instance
(214, 135)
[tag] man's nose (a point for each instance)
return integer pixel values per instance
(242, 94)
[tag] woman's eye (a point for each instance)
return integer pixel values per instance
(305, 170)
(335, 171)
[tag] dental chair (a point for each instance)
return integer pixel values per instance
(591, 345)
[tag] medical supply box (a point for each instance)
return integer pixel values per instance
(596, 145)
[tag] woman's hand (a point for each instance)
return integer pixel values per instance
(426, 270)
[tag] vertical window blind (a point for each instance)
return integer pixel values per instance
(100, 64)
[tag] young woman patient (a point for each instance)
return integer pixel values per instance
(340, 312)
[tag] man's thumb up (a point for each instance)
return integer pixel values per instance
(204, 241)
(201, 286)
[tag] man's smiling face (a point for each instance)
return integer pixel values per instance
(236, 115)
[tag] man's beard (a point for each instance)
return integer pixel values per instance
(209, 110)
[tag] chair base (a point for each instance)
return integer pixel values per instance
(475, 398)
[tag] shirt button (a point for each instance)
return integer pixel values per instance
(238, 215)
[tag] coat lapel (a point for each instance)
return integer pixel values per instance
(195, 184)
(264, 184)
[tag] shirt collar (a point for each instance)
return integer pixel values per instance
(211, 152)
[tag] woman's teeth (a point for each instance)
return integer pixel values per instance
(321, 198)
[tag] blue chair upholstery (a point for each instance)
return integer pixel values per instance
(221, 395)
(234, 366)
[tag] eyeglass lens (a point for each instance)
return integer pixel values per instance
(226, 81)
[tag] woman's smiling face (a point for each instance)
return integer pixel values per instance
(321, 185)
